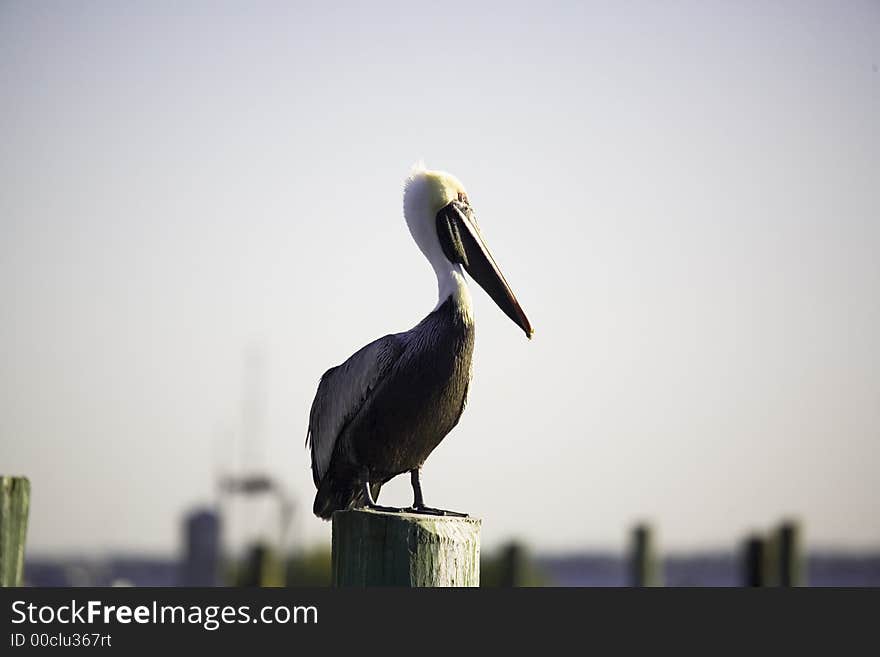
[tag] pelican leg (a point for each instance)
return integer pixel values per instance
(419, 500)
(370, 503)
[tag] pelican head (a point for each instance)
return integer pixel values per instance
(442, 222)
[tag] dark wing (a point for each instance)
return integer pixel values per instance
(341, 393)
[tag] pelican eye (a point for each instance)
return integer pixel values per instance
(462, 197)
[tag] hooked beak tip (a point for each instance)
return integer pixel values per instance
(462, 243)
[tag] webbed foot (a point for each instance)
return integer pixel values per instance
(431, 511)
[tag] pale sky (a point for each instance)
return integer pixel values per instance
(685, 199)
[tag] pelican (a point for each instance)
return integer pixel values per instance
(384, 410)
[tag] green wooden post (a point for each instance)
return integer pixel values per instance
(791, 560)
(15, 495)
(373, 548)
(644, 565)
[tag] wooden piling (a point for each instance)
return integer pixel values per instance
(15, 494)
(513, 566)
(790, 558)
(373, 548)
(644, 564)
(755, 571)
(262, 567)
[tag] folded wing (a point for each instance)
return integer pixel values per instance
(342, 392)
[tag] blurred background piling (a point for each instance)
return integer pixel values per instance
(790, 555)
(776, 557)
(645, 568)
(15, 495)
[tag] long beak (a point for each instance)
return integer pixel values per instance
(462, 242)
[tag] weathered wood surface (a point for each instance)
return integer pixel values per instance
(373, 548)
(15, 495)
